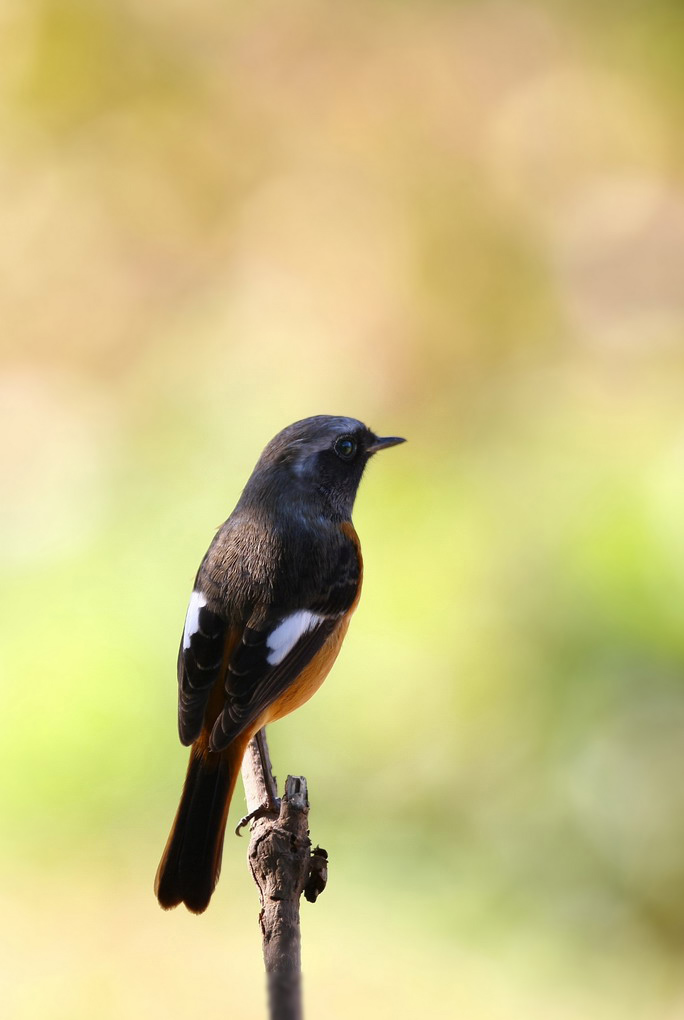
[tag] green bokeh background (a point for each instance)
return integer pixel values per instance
(459, 222)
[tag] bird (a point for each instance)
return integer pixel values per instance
(270, 607)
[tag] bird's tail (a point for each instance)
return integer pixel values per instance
(191, 862)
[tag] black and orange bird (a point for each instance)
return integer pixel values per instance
(270, 607)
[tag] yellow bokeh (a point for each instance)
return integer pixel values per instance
(462, 222)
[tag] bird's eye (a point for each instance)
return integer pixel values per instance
(345, 448)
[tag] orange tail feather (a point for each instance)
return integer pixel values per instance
(191, 862)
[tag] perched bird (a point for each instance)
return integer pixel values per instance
(270, 607)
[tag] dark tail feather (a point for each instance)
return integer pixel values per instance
(191, 863)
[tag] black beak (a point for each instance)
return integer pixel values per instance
(383, 443)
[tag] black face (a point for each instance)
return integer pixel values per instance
(339, 467)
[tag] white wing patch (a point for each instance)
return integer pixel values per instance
(285, 636)
(197, 601)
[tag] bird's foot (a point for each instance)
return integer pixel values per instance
(271, 810)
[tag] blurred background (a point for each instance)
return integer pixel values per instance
(462, 222)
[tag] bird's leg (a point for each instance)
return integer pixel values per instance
(269, 789)
(267, 769)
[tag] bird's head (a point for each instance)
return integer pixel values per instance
(321, 459)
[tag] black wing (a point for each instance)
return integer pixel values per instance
(200, 660)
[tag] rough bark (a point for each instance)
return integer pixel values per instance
(283, 868)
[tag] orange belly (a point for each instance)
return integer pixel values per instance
(310, 678)
(313, 675)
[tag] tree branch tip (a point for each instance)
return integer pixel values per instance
(296, 792)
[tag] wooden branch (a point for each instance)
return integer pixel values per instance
(283, 868)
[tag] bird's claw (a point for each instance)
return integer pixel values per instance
(263, 811)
